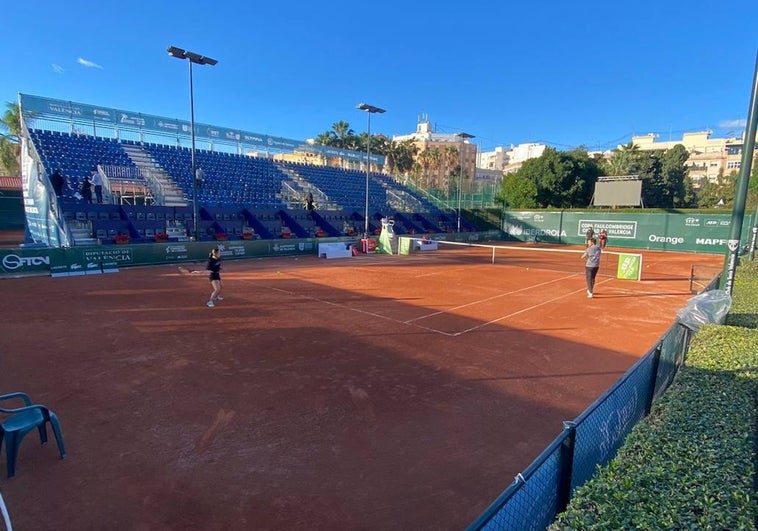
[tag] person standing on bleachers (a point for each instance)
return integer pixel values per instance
(87, 190)
(97, 182)
(56, 179)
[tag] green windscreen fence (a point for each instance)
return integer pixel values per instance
(706, 233)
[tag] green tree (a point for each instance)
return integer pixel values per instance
(10, 152)
(404, 153)
(675, 177)
(326, 138)
(623, 161)
(518, 191)
(665, 178)
(752, 190)
(709, 195)
(342, 134)
(562, 179)
(12, 119)
(398, 155)
(424, 164)
(451, 161)
(718, 193)
(653, 186)
(666, 182)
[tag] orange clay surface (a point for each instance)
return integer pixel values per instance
(375, 392)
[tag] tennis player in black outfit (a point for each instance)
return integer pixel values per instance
(214, 275)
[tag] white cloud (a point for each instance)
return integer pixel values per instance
(88, 63)
(733, 124)
(58, 69)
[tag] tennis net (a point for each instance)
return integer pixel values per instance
(612, 264)
(703, 277)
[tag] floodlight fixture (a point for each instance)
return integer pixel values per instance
(198, 59)
(370, 109)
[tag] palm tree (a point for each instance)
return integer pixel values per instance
(425, 161)
(405, 156)
(624, 160)
(435, 156)
(384, 146)
(10, 147)
(325, 139)
(342, 132)
(450, 156)
(12, 119)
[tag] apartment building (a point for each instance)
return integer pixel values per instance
(440, 153)
(709, 157)
(509, 160)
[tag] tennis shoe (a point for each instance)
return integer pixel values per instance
(219, 298)
(589, 294)
(210, 304)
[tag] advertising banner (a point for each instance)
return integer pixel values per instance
(706, 233)
(74, 261)
(39, 107)
(28, 261)
(629, 267)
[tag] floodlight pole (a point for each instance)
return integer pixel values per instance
(192, 155)
(370, 109)
(463, 137)
(192, 57)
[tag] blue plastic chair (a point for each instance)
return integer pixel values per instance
(22, 420)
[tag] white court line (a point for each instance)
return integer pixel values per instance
(344, 307)
(526, 309)
(527, 288)
(434, 330)
(357, 310)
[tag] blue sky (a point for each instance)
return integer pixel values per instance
(589, 73)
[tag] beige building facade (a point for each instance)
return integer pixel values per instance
(708, 157)
(439, 154)
(509, 160)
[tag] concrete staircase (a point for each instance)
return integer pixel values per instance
(81, 231)
(296, 187)
(163, 187)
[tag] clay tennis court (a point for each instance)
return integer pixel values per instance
(378, 392)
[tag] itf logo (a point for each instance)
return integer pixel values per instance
(692, 222)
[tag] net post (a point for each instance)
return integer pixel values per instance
(493, 254)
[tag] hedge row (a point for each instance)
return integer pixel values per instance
(691, 463)
(744, 310)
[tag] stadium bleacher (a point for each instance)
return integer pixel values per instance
(239, 197)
